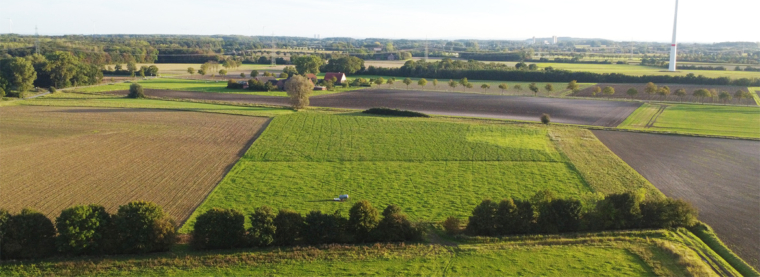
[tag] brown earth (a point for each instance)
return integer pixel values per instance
(621, 89)
(721, 177)
(572, 111)
(52, 158)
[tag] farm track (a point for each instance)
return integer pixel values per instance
(53, 158)
(571, 111)
(718, 176)
(651, 122)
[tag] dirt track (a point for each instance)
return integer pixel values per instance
(573, 111)
(719, 176)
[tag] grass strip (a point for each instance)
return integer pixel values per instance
(708, 236)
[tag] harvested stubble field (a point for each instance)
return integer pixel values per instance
(734, 121)
(621, 89)
(55, 157)
(719, 176)
(432, 168)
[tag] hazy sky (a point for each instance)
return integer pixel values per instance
(641, 20)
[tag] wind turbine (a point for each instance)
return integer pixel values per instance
(674, 47)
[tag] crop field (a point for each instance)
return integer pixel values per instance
(640, 70)
(177, 69)
(644, 253)
(621, 89)
(431, 168)
(718, 176)
(735, 121)
(559, 89)
(56, 157)
(217, 86)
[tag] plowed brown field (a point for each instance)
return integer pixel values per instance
(621, 89)
(52, 158)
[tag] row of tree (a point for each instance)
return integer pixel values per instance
(136, 228)
(652, 89)
(545, 213)
(499, 72)
(224, 228)
(57, 69)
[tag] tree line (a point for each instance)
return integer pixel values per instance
(481, 71)
(545, 213)
(58, 70)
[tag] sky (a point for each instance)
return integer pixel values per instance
(703, 21)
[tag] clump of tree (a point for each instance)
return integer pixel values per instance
(545, 213)
(307, 64)
(299, 89)
(348, 65)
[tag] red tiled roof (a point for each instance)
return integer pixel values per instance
(337, 75)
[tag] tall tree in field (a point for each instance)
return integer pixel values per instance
(485, 87)
(739, 95)
(435, 83)
(464, 82)
(254, 73)
(650, 89)
(518, 87)
(549, 88)
(680, 93)
(468, 85)
(701, 94)
(663, 91)
(191, 71)
(299, 89)
(573, 86)
(223, 72)
(202, 72)
(632, 92)
(503, 87)
(422, 82)
(308, 64)
(724, 96)
(408, 82)
(131, 66)
(22, 75)
(242, 75)
(596, 90)
(379, 81)
(452, 84)
(533, 88)
(390, 82)
(609, 91)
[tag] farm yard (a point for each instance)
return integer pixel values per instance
(433, 168)
(734, 121)
(719, 176)
(621, 89)
(55, 157)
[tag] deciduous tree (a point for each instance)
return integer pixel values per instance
(573, 86)
(533, 88)
(549, 88)
(503, 87)
(632, 92)
(485, 87)
(680, 93)
(422, 82)
(609, 91)
(408, 82)
(299, 89)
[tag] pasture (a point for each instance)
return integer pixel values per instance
(56, 157)
(433, 168)
(644, 253)
(735, 121)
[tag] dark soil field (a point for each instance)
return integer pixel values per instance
(621, 89)
(719, 176)
(572, 111)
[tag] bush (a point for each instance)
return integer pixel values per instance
(233, 85)
(452, 225)
(322, 228)
(52, 90)
(219, 229)
(394, 112)
(483, 219)
(668, 213)
(136, 91)
(560, 216)
(29, 235)
(619, 211)
(85, 230)
(143, 227)
(362, 220)
(262, 228)
(288, 224)
(546, 119)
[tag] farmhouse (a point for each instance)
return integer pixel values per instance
(341, 77)
(312, 77)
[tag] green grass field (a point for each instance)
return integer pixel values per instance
(219, 86)
(112, 101)
(637, 253)
(431, 168)
(755, 92)
(714, 120)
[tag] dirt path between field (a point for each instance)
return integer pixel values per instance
(572, 111)
(721, 177)
(656, 115)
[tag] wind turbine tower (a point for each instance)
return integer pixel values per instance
(674, 47)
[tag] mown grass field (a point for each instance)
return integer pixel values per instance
(431, 168)
(641, 253)
(715, 120)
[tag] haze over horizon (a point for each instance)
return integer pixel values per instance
(701, 21)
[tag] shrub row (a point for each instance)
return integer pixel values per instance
(396, 112)
(138, 227)
(224, 228)
(546, 214)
